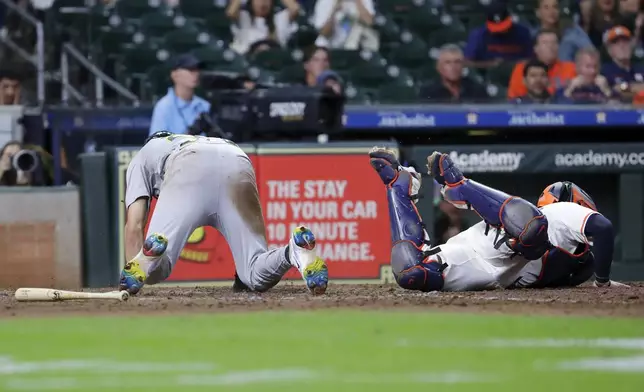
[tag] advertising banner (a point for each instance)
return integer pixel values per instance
(542, 158)
(330, 188)
(335, 192)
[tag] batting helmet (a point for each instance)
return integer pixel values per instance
(157, 135)
(565, 191)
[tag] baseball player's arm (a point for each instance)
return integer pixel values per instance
(600, 230)
(136, 218)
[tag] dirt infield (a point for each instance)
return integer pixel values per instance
(578, 301)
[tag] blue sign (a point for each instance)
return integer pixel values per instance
(395, 116)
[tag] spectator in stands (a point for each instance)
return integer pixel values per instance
(346, 24)
(545, 49)
(499, 40)
(632, 18)
(572, 36)
(535, 79)
(180, 108)
(316, 61)
(332, 80)
(626, 78)
(452, 87)
(589, 87)
(10, 88)
(259, 22)
(603, 14)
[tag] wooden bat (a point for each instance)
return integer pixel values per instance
(37, 294)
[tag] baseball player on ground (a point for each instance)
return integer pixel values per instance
(203, 181)
(486, 256)
(574, 223)
(496, 252)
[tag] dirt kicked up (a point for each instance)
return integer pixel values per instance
(578, 301)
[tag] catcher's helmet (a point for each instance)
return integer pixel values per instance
(565, 191)
(157, 135)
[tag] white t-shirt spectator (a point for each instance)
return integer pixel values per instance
(344, 20)
(248, 31)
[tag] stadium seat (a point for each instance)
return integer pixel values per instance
(186, 39)
(112, 38)
(216, 57)
(423, 21)
(273, 59)
(451, 34)
(412, 53)
(397, 92)
(138, 58)
(425, 73)
(500, 75)
(200, 8)
(134, 9)
(388, 30)
(370, 74)
(218, 24)
(396, 8)
(292, 74)
(157, 24)
(459, 7)
(361, 96)
(344, 59)
(158, 80)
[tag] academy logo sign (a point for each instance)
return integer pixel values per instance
(486, 161)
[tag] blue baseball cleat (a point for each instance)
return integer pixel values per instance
(303, 256)
(134, 273)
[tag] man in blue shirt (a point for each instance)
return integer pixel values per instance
(180, 107)
(499, 40)
(625, 78)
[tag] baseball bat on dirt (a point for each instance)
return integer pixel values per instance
(37, 294)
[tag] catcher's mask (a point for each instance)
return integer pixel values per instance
(158, 134)
(565, 191)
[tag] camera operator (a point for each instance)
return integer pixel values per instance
(20, 166)
(180, 108)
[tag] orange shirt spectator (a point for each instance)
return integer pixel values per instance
(559, 72)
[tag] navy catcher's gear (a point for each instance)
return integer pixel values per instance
(526, 228)
(565, 191)
(410, 264)
(157, 135)
(564, 269)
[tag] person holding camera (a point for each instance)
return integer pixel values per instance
(180, 109)
(21, 166)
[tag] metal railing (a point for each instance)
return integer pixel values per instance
(100, 79)
(38, 58)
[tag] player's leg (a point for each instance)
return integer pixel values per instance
(239, 219)
(524, 226)
(410, 259)
(171, 224)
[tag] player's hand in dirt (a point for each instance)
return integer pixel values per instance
(610, 283)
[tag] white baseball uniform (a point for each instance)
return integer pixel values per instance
(203, 181)
(566, 226)
(474, 264)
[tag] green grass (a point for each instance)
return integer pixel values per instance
(319, 351)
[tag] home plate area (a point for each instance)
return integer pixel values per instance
(628, 302)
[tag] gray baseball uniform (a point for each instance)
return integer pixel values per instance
(204, 181)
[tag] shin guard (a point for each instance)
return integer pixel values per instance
(409, 262)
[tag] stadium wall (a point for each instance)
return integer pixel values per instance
(40, 237)
(333, 188)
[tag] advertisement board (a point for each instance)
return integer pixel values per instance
(542, 158)
(330, 188)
